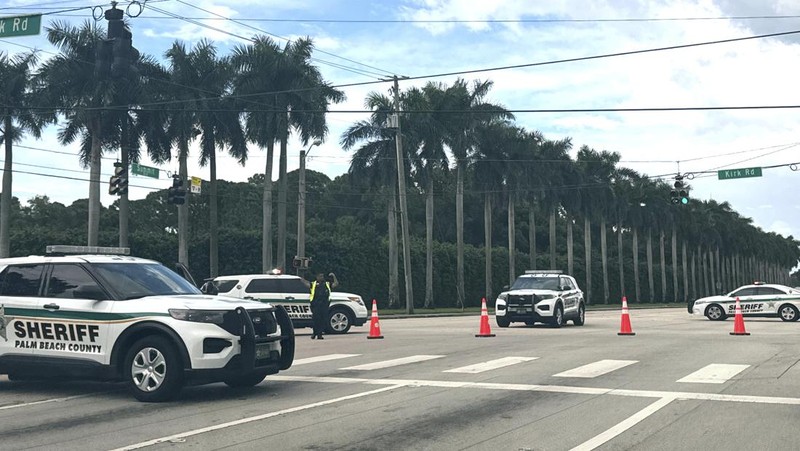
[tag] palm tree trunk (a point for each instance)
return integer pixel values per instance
(636, 285)
(663, 268)
(604, 256)
(282, 191)
(570, 256)
(124, 204)
(675, 293)
(650, 280)
(512, 241)
(553, 238)
(621, 260)
(712, 278)
(487, 244)
(701, 256)
(5, 201)
(532, 235)
(183, 210)
(429, 245)
(94, 184)
(460, 233)
(266, 211)
(695, 291)
(394, 268)
(587, 248)
(213, 230)
(685, 273)
(719, 271)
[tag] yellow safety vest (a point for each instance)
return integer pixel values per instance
(314, 286)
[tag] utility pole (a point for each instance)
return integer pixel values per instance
(301, 203)
(401, 184)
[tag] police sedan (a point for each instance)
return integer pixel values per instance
(758, 299)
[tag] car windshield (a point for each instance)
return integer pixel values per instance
(536, 283)
(135, 280)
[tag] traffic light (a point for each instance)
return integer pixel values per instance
(118, 183)
(176, 194)
(125, 56)
(102, 60)
(680, 191)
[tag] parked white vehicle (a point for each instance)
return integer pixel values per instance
(758, 299)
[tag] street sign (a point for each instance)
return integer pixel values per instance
(145, 171)
(197, 182)
(20, 26)
(729, 174)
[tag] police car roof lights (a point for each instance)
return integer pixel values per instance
(544, 271)
(61, 249)
(276, 271)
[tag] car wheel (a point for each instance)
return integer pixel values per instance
(530, 322)
(502, 321)
(153, 370)
(246, 379)
(339, 321)
(558, 317)
(715, 313)
(788, 312)
(581, 318)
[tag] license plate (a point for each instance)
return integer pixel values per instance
(521, 311)
(262, 351)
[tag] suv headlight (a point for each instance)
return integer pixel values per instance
(545, 297)
(199, 316)
(357, 300)
(502, 296)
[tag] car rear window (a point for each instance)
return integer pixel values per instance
(263, 286)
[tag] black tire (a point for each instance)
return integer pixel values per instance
(530, 322)
(580, 320)
(153, 363)
(788, 312)
(340, 320)
(246, 379)
(558, 317)
(502, 321)
(715, 312)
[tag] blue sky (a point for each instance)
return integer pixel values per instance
(757, 72)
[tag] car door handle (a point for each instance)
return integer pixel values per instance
(250, 298)
(291, 298)
(52, 306)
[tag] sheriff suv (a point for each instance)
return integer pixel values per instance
(541, 296)
(96, 313)
(758, 299)
(347, 309)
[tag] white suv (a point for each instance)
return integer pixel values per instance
(541, 296)
(346, 309)
(114, 317)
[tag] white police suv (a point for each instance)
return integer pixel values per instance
(541, 296)
(758, 299)
(91, 312)
(289, 291)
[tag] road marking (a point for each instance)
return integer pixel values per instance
(628, 423)
(216, 427)
(547, 388)
(46, 401)
(394, 362)
(596, 369)
(490, 365)
(716, 373)
(322, 358)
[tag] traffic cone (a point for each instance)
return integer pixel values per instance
(738, 321)
(625, 324)
(374, 323)
(485, 330)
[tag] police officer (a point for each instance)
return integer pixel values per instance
(321, 301)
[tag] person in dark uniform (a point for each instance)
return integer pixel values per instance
(321, 301)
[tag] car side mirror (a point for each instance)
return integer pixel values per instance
(92, 292)
(209, 288)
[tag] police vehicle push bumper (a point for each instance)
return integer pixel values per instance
(527, 308)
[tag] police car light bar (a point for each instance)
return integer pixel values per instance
(95, 250)
(544, 271)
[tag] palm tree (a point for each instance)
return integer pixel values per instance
(547, 174)
(17, 120)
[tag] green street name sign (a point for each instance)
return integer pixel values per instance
(739, 173)
(145, 171)
(20, 26)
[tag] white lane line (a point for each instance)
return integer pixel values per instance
(216, 427)
(323, 358)
(596, 369)
(628, 423)
(48, 401)
(490, 365)
(394, 362)
(716, 373)
(547, 388)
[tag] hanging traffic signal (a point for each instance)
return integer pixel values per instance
(118, 183)
(102, 59)
(176, 194)
(680, 191)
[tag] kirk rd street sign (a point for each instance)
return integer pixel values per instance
(729, 174)
(20, 26)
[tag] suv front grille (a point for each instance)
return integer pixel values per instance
(264, 323)
(517, 301)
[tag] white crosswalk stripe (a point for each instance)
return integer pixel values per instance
(393, 362)
(323, 358)
(716, 373)
(490, 365)
(596, 369)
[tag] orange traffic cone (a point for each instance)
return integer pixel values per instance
(625, 324)
(374, 323)
(485, 330)
(738, 321)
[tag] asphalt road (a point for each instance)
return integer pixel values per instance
(681, 383)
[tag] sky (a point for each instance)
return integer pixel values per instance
(365, 41)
